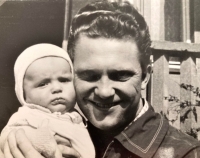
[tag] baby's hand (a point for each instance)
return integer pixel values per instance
(43, 140)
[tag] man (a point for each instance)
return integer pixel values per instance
(109, 45)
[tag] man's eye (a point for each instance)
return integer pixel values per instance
(89, 76)
(121, 76)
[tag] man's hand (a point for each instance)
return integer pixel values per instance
(66, 147)
(18, 146)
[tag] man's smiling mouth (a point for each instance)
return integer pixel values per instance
(104, 105)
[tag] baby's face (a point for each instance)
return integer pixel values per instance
(48, 82)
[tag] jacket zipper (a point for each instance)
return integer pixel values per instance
(107, 148)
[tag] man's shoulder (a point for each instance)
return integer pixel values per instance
(178, 144)
(178, 136)
(177, 141)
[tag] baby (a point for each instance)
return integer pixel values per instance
(44, 87)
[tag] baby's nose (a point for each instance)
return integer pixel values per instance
(56, 87)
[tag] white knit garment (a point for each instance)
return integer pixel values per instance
(26, 58)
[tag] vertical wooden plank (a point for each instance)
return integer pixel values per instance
(174, 105)
(196, 21)
(172, 18)
(157, 20)
(187, 77)
(160, 81)
(144, 8)
(147, 13)
(198, 98)
(67, 22)
(186, 20)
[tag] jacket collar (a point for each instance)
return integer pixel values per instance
(144, 136)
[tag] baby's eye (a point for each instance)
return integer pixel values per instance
(121, 76)
(64, 79)
(43, 84)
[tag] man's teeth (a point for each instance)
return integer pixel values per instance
(104, 105)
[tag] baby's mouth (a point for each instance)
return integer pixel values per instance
(58, 101)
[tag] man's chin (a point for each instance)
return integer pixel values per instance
(106, 125)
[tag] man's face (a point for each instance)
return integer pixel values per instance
(108, 81)
(48, 82)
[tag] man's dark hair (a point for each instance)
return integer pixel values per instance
(111, 20)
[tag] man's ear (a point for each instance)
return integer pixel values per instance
(146, 77)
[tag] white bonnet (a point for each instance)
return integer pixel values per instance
(28, 56)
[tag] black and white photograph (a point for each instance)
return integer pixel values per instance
(99, 79)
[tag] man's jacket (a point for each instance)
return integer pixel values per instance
(150, 136)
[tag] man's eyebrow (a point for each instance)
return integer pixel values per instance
(87, 70)
(121, 69)
(118, 69)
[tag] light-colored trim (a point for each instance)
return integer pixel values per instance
(176, 46)
(107, 149)
(152, 141)
(186, 20)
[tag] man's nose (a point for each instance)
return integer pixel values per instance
(56, 87)
(104, 88)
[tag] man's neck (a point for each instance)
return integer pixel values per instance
(105, 137)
